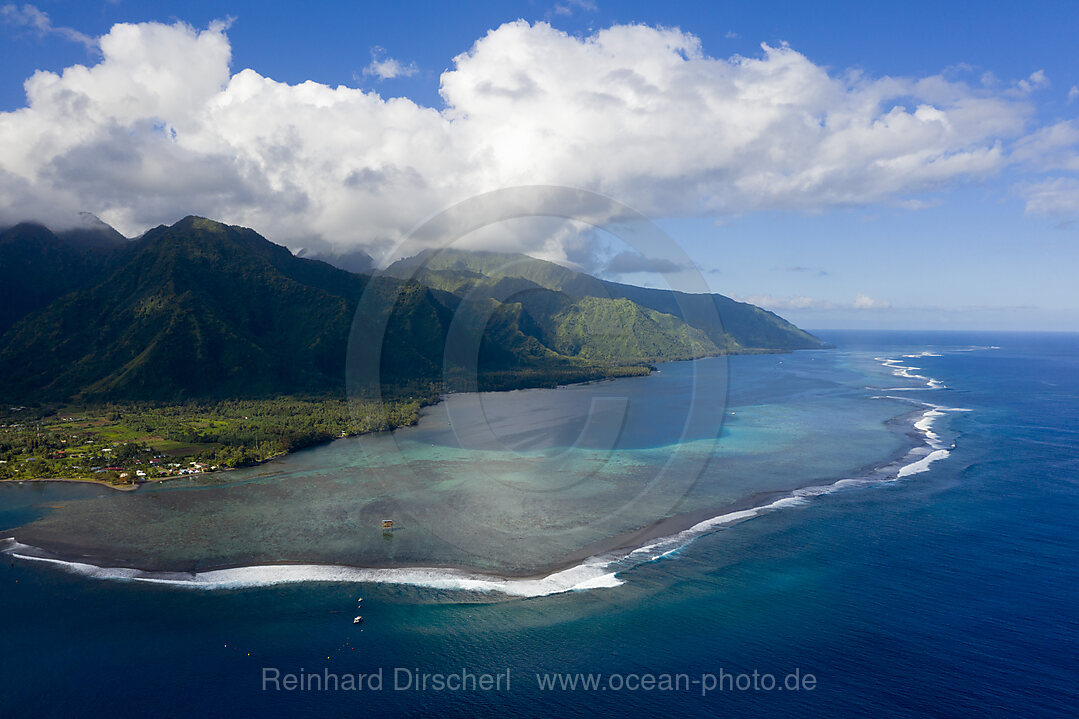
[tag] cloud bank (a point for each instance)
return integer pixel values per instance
(162, 127)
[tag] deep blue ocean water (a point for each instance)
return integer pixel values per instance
(948, 593)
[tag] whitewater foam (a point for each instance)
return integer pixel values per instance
(922, 465)
(907, 372)
(591, 574)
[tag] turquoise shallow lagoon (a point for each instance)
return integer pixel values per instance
(514, 483)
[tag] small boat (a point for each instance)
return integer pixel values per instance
(357, 620)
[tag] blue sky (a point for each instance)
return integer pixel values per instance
(979, 233)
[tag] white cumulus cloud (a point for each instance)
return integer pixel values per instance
(387, 68)
(1038, 80)
(162, 126)
(865, 302)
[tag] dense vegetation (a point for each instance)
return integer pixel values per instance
(114, 443)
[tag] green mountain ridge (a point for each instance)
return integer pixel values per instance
(198, 309)
(693, 325)
(205, 310)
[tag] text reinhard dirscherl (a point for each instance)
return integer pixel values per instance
(404, 679)
(464, 680)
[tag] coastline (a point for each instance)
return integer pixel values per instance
(99, 482)
(156, 480)
(593, 566)
(130, 487)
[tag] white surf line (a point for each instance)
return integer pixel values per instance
(590, 574)
(907, 372)
(916, 461)
(925, 425)
(933, 412)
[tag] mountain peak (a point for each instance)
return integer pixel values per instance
(91, 231)
(195, 222)
(37, 265)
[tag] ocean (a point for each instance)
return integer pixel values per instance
(886, 529)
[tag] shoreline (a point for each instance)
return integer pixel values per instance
(98, 482)
(157, 480)
(592, 566)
